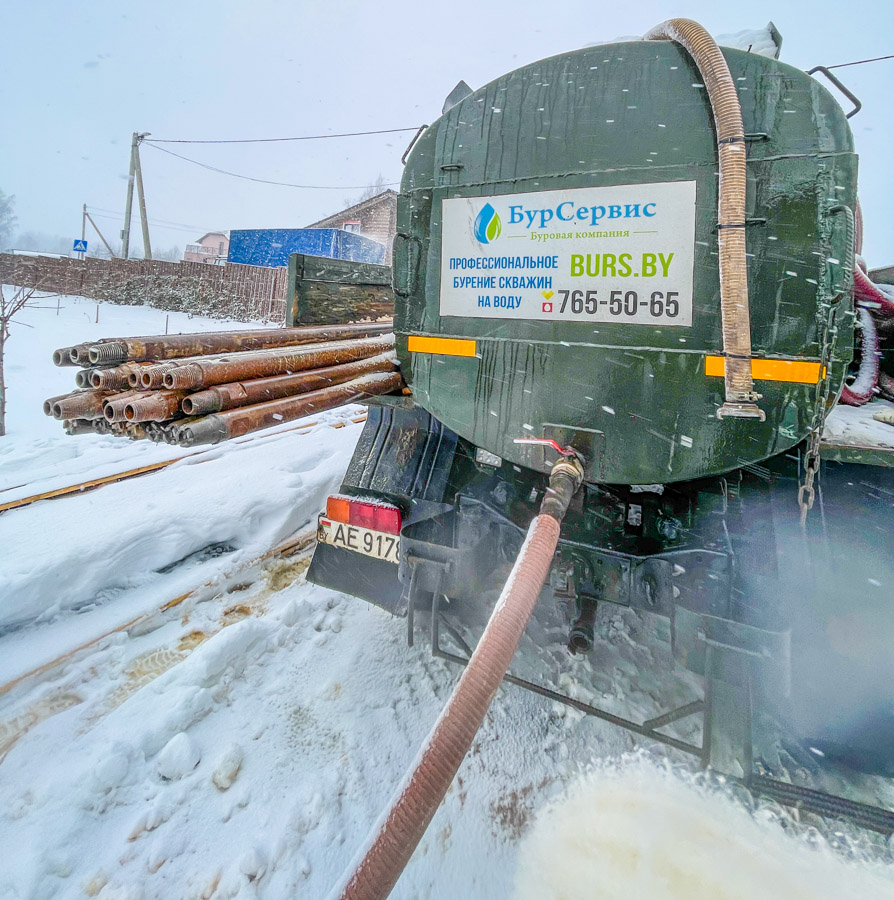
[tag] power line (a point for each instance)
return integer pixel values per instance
(308, 137)
(185, 229)
(311, 187)
(860, 62)
(153, 221)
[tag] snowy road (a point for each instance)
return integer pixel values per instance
(241, 742)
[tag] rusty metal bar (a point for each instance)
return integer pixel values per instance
(281, 361)
(236, 422)
(260, 390)
(177, 346)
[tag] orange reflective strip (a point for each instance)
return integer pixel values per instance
(797, 371)
(445, 346)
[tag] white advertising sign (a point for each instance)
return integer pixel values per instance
(604, 254)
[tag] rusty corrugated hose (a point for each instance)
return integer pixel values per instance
(734, 309)
(394, 840)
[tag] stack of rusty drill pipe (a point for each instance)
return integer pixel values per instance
(277, 376)
(158, 347)
(259, 390)
(237, 422)
(278, 361)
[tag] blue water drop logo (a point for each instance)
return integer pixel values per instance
(487, 224)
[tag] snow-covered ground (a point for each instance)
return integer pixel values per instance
(182, 715)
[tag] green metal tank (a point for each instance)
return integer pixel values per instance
(556, 262)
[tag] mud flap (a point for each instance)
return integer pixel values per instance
(370, 579)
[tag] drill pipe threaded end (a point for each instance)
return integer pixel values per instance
(86, 405)
(109, 379)
(153, 377)
(113, 408)
(157, 407)
(183, 378)
(111, 352)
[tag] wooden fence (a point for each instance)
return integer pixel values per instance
(230, 291)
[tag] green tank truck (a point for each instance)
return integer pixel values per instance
(562, 281)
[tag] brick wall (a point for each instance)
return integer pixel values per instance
(231, 291)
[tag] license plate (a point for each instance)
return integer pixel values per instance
(377, 544)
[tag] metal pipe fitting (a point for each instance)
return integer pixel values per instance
(583, 631)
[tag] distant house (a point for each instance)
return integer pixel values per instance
(374, 218)
(209, 248)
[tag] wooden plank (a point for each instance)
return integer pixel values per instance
(89, 485)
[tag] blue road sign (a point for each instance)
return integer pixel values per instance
(80, 246)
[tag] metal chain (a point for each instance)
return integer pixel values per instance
(806, 492)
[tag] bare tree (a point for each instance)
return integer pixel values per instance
(172, 254)
(7, 219)
(10, 307)
(373, 190)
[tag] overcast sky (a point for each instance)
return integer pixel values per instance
(78, 78)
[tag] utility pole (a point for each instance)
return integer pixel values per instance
(147, 247)
(125, 232)
(136, 173)
(84, 225)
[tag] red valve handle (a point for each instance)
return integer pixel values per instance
(548, 442)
